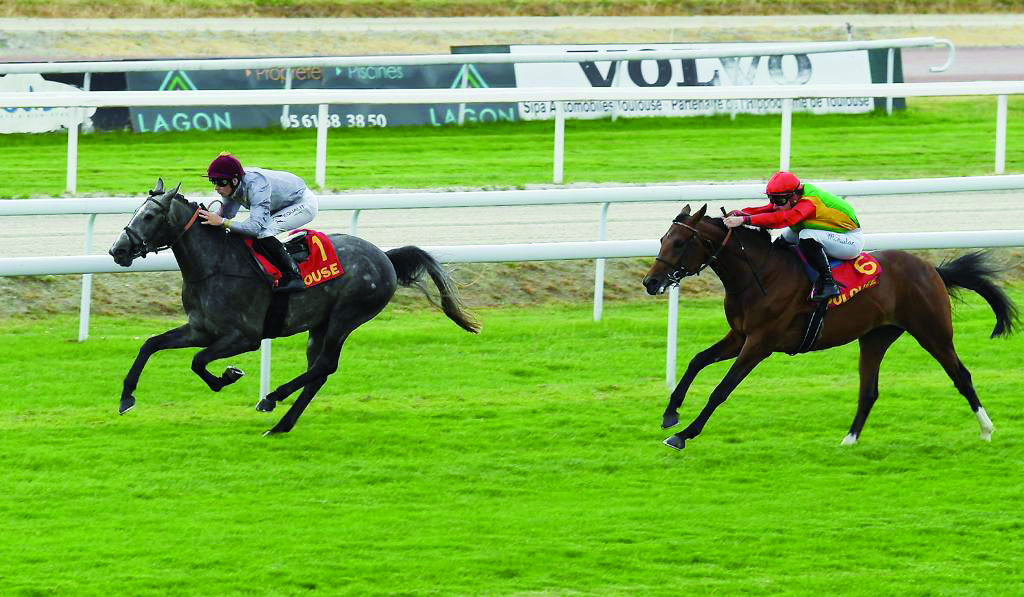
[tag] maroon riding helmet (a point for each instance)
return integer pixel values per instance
(225, 166)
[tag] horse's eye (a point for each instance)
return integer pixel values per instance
(678, 244)
(147, 217)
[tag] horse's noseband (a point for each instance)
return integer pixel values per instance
(678, 270)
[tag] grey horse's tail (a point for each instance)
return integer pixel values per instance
(410, 263)
(974, 272)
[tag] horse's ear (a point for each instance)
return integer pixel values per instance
(686, 210)
(159, 190)
(700, 213)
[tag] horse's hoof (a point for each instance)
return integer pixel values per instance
(265, 405)
(232, 374)
(126, 404)
(669, 420)
(268, 433)
(675, 442)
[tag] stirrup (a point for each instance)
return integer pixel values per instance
(827, 291)
(293, 285)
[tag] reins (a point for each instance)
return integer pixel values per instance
(743, 254)
(679, 272)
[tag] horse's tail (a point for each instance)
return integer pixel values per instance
(973, 271)
(410, 263)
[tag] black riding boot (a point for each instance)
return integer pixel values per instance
(825, 287)
(291, 279)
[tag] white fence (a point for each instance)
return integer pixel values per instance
(325, 97)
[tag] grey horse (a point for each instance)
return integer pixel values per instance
(231, 308)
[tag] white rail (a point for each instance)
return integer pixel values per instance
(325, 97)
(489, 58)
(603, 195)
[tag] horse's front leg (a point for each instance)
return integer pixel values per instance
(726, 348)
(223, 347)
(181, 337)
(749, 357)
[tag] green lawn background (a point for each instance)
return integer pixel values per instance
(524, 461)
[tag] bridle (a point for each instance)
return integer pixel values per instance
(140, 246)
(678, 270)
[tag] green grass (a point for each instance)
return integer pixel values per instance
(927, 140)
(526, 460)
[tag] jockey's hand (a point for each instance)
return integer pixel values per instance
(735, 212)
(211, 218)
(733, 221)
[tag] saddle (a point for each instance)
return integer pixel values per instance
(312, 251)
(852, 276)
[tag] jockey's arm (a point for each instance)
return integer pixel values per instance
(781, 219)
(763, 209)
(259, 213)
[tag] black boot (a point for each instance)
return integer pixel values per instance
(825, 287)
(291, 279)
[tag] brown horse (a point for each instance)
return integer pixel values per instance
(767, 309)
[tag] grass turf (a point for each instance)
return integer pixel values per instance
(525, 460)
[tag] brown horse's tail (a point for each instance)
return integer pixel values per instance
(973, 271)
(410, 263)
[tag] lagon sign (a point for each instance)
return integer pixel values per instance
(858, 66)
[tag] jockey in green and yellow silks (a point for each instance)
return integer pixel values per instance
(823, 224)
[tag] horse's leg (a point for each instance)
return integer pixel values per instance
(726, 348)
(326, 363)
(940, 346)
(314, 346)
(180, 337)
(750, 355)
(223, 347)
(872, 349)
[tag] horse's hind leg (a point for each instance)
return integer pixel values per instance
(314, 346)
(326, 362)
(872, 349)
(940, 346)
(726, 348)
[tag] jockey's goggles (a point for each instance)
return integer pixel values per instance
(780, 198)
(220, 182)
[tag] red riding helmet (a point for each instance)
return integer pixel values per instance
(783, 183)
(225, 166)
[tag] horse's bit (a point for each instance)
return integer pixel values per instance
(143, 245)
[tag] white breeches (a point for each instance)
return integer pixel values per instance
(837, 245)
(292, 217)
